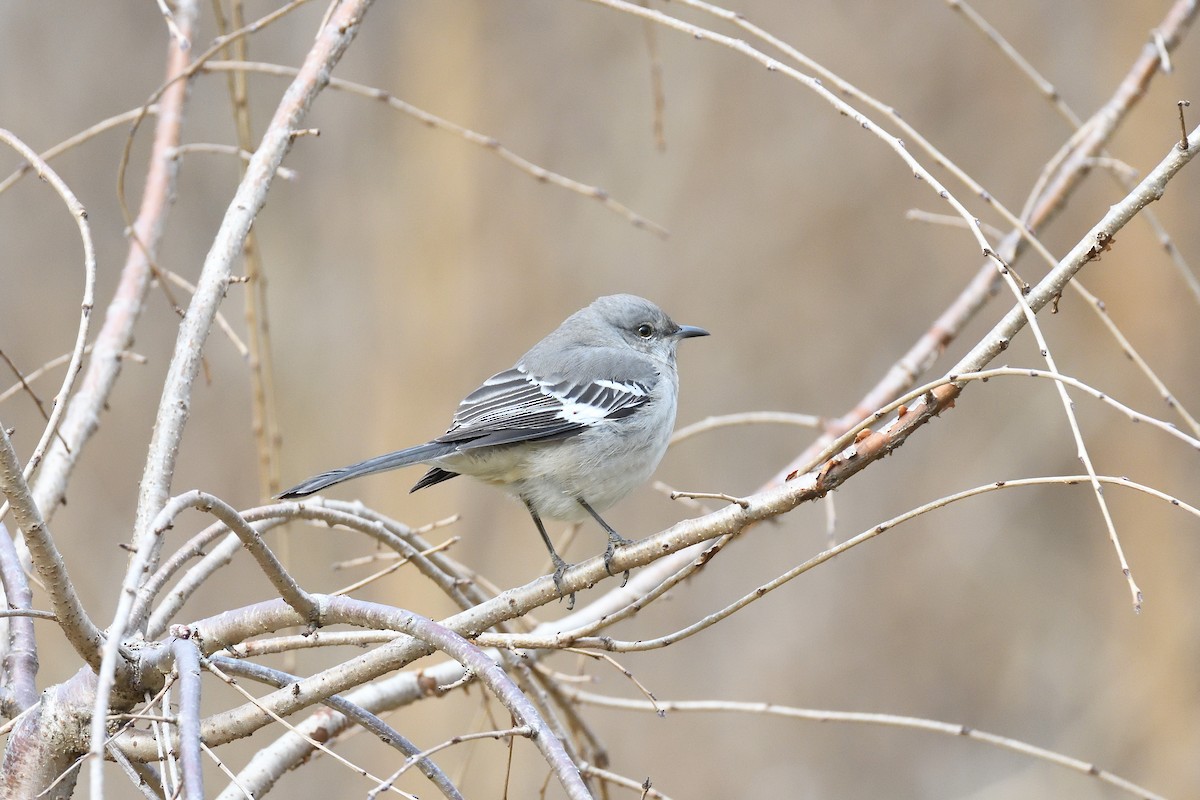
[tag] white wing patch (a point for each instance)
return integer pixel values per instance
(635, 389)
(592, 403)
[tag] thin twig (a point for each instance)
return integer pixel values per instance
(973, 225)
(431, 635)
(116, 334)
(178, 35)
(215, 275)
(386, 555)
(390, 568)
(889, 720)
(1090, 139)
(650, 698)
(32, 613)
(265, 418)
(1124, 175)
(1127, 348)
(644, 789)
(1016, 286)
(233, 778)
(306, 641)
(215, 670)
(58, 361)
(950, 220)
(521, 730)
(539, 173)
(213, 148)
(577, 638)
(76, 140)
(222, 323)
(995, 37)
(728, 498)
(746, 418)
(368, 721)
(79, 214)
(352, 516)
(24, 384)
(828, 95)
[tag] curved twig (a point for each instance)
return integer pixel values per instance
(892, 720)
(79, 213)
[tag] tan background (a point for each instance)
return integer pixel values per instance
(406, 265)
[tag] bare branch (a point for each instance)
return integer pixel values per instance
(76, 140)
(79, 213)
(429, 634)
(332, 42)
(284, 584)
(891, 720)
(116, 334)
(58, 361)
(265, 423)
(353, 516)
(746, 418)
(644, 789)
(566, 637)
(20, 651)
(1090, 140)
(214, 669)
(177, 33)
(187, 666)
(384, 732)
(228, 150)
(79, 629)
(416, 758)
(487, 142)
(251, 194)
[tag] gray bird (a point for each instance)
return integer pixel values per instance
(581, 420)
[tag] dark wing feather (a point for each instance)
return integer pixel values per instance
(435, 475)
(513, 406)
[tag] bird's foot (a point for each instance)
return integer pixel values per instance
(613, 542)
(560, 569)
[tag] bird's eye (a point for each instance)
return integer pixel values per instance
(645, 331)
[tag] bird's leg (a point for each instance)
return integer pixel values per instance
(614, 539)
(560, 566)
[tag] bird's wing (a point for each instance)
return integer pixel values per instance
(515, 406)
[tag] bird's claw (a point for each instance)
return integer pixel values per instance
(609, 552)
(560, 569)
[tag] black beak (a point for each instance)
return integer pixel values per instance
(688, 331)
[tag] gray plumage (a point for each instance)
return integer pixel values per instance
(582, 419)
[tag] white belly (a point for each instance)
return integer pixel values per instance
(592, 465)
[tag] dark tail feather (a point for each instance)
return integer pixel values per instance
(399, 458)
(435, 475)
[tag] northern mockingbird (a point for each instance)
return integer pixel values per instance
(581, 420)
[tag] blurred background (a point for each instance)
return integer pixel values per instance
(405, 265)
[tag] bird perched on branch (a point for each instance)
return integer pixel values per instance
(581, 420)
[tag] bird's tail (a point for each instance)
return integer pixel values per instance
(394, 460)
